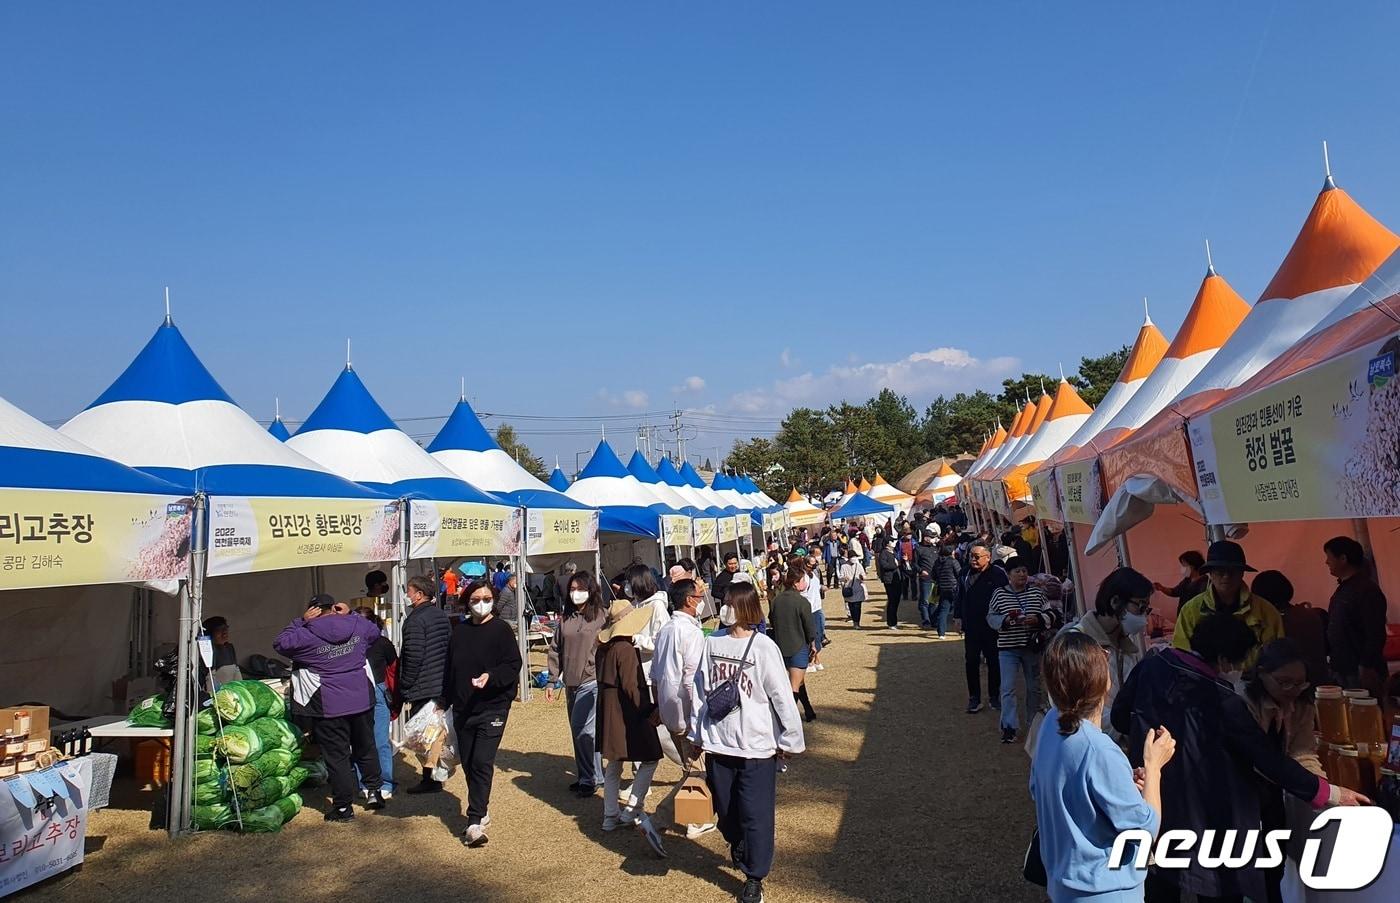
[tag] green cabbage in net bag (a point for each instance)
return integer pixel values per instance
(316, 773)
(240, 701)
(212, 816)
(210, 792)
(298, 776)
(268, 791)
(203, 746)
(204, 723)
(263, 820)
(289, 805)
(239, 743)
(207, 770)
(271, 764)
(276, 733)
(147, 712)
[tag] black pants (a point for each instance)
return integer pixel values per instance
(341, 740)
(854, 609)
(911, 584)
(478, 738)
(980, 646)
(746, 797)
(894, 593)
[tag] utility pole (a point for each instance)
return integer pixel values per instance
(676, 428)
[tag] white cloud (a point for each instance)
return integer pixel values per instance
(920, 376)
(631, 398)
(690, 384)
(786, 359)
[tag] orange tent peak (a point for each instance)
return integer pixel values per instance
(945, 471)
(998, 437)
(1339, 244)
(1148, 349)
(864, 485)
(1042, 411)
(879, 480)
(1068, 403)
(851, 488)
(1214, 313)
(795, 496)
(1023, 421)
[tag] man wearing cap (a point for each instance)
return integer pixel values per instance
(1226, 593)
(331, 688)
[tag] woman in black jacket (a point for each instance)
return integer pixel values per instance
(483, 672)
(888, 568)
(1211, 783)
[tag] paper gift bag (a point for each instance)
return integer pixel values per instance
(693, 803)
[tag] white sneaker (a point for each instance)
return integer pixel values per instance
(694, 831)
(812, 669)
(475, 835)
(820, 667)
(386, 793)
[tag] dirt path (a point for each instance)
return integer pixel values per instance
(901, 796)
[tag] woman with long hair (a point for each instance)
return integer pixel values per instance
(1084, 789)
(483, 672)
(851, 576)
(573, 653)
(793, 628)
(746, 724)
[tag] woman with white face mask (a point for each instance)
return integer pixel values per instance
(572, 656)
(1116, 624)
(483, 672)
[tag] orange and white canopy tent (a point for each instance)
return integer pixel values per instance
(881, 491)
(864, 485)
(850, 490)
(966, 488)
(992, 477)
(1338, 247)
(1215, 313)
(802, 513)
(942, 487)
(1146, 352)
(1067, 414)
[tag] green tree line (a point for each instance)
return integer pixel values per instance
(817, 450)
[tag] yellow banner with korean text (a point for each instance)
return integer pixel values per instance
(58, 538)
(727, 531)
(1045, 496)
(463, 530)
(248, 535)
(1321, 444)
(554, 530)
(676, 530)
(706, 531)
(1081, 491)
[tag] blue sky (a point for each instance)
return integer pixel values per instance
(607, 209)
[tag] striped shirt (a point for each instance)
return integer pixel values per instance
(1029, 601)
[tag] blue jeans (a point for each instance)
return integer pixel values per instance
(928, 598)
(381, 738)
(582, 708)
(1028, 663)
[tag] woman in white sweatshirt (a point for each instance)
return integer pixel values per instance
(744, 746)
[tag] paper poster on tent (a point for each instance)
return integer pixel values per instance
(553, 530)
(706, 531)
(1045, 496)
(56, 538)
(1322, 444)
(676, 530)
(1081, 493)
(247, 535)
(462, 530)
(727, 531)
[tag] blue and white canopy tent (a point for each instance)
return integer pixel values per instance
(557, 481)
(267, 507)
(705, 523)
(676, 531)
(732, 523)
(629, 514)
(860, 505)
(277, 428)
(557, 524)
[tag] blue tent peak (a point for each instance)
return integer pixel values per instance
(641, 468)
(166, 370)
(463, 431)
(278, 429)
(604, 463)
(558, 481)
(668, 473)
(691, 478)
(721, 481)
(348, 406)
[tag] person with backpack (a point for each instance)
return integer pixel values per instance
(746, 723)
(852, 580)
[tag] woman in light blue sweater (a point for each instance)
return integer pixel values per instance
(1084, 789)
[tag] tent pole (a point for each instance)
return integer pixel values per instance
(522, 595)
(1125, 560)
(191, 603)
(398, 600)
(1079, 603)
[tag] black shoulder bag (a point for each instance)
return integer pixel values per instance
(723, 698)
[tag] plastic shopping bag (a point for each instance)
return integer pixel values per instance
(447, 759)
(430, 736)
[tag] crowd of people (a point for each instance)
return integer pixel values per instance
(1194, 713)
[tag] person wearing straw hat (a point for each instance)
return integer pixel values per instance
(1226, 593)
(627, 720)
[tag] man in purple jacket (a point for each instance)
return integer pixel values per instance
(333, 689)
